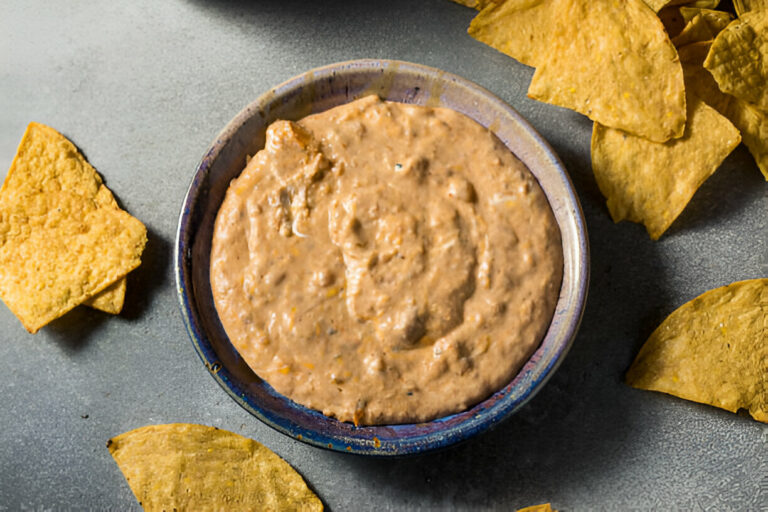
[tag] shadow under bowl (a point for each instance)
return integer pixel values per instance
(316, 91)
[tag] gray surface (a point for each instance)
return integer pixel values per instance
(142, 88)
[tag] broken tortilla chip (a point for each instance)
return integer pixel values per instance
(738, 58)
(651, 183)
(656, 5)
(518, 28)
(639, 87)
(712, 350)
(62, 237)
(193, 467)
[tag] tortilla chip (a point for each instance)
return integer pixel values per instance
(545, 507)
(695, 31)
(717, 20)
(753, 124)
(701, 4)
(613, 62)
(518, 28)
(656, 5)
(62, 237)
(701, 84)
(742, 6)
(111, 299)
(194, 467)
(695, 53)
(474, 4)
(712, 350)
(738, 58)
(651, 183)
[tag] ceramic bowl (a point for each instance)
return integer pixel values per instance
(318, 90)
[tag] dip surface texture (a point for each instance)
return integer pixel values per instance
(385, 263)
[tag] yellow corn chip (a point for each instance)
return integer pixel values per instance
(717, 20)
(62, 237)
(712, 350)
(742, 6)
(111, 299)
(753, 124)
(545, 507)
(650, 182)
(701, 84)
(695, 53)
(701, 4)
(474, 4)
(738, 58)
(614, 62)
(656, 5)
(518, 28)
(695, 31)
(198, 468)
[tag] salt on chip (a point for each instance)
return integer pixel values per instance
(738, 58)
(62, 237)
(194, 467)
(712, 350)
(742, 6)
(651, 183)
(518, 28)
(613, 62)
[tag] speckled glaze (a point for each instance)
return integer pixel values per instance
(316, 91)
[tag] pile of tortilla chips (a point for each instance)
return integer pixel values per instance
(64, 241)
(672, 85)
(712, 350)
(194, 467)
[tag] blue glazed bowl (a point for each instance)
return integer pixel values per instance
(316, 91)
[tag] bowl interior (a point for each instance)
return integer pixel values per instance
(316, 91)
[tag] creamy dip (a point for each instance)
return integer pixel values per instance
(385, 263)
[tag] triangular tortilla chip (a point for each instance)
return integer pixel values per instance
(712, 350)
(518, 28)
(62, 237)
(738, 59)
(111, 299)
(614, 62)
(651, 183)
(193, 467)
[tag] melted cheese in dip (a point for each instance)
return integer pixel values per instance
(385, 263)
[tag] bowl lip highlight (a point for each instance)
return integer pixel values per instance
(479, 418)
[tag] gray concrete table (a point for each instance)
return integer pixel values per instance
(142, 87)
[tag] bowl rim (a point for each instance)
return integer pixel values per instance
(370, 445)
